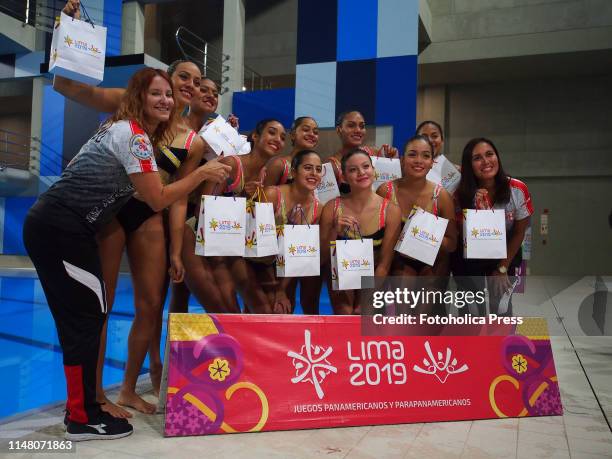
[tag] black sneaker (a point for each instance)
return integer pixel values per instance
(105, 427)
(104, 413)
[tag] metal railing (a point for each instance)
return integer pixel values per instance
(16, 150)
(254, 81)
(196, 49)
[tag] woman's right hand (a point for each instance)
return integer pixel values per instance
(73, 8)
(215, 171)
(481, 199)
(345, 222)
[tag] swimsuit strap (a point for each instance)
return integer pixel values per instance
(383, 213)
(286, 170)
(436, 194)
(338, 165)
(337, 207)
(238, 184)
(315, 208)
(189, 140)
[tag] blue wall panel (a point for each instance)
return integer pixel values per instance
(19, 289)
(52, 132)
(357, 25)
(112, 22)
(396, 87)
(317, 26)
(315, 92)
(15, 210)
(356, 88)
(398, 27)
(253, 106)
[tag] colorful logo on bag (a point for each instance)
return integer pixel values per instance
(266, 228)
(69, 41)
(325, 185)
(250, 241)
(424, 236)
(448, 179)
(356, 264)
(81, 45)
(486, 234)
(140, 147)
(384, 176)
(302, 250)
(224, 226)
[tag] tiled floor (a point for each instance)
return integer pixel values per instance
(582, 432)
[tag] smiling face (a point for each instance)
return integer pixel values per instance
(358, 171)
(418, 159)
(485, 163)
(435, 137)
(352, 130)
(271, 140)
(207, 101)
(158, 101)
(306, 135)
(186, 82)
(308, 174)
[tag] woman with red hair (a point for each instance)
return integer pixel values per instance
(60, 234)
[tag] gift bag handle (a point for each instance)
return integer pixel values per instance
(87, 16)
(356, 229)
(301, 209)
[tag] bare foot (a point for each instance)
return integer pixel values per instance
(155, 373)
(109, 407)
(133, 400)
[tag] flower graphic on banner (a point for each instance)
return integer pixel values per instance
(311, 364)
(519, 363)
(214, 224)
(442, 367)
(219, 369)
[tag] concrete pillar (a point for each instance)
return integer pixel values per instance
(233, 45)
(132, 28)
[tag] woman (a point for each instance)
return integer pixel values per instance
(351, 129)
(268, 140)
(485, 185)
(433, 131)
(374, 217)
(295, 203)
(60, 234)
(413, 189)
(141, 230)
(304, 135)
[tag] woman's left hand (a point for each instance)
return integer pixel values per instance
(500, 283)
(177, 269)
(388, 151)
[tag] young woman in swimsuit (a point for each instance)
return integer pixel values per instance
(360, 213)
(304, 135)
(351, 130)
(295, 203)
(414, 189)
(268, 140)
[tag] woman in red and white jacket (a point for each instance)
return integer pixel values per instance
(485, 185)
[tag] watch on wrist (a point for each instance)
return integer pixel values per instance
(502, 269)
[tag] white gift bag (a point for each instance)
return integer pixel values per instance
(78, 50)
(299, 253)
(260, 239)
(328, 188)
(445, 173)
(421, 237)
(221, 227)
(484, 234)
(222, 137)
(351, 259)
(386, 169)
